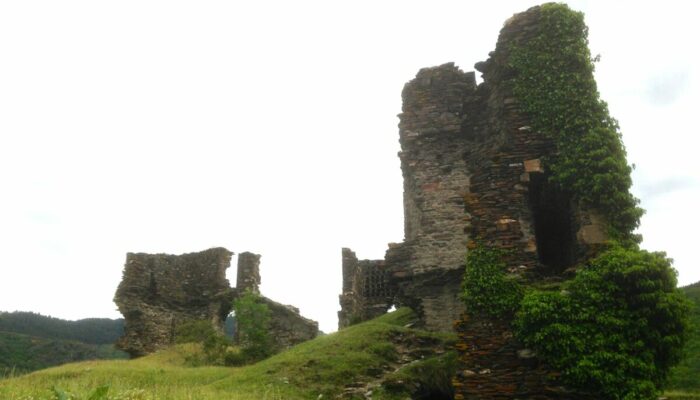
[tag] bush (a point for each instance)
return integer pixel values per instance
(615, 329)
(214, 344)
(252, 327)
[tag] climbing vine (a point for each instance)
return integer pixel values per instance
(615, 329)
(487, 289)
(554, 84)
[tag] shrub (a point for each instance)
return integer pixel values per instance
(214, 344)
(615, 329)
(252, 327)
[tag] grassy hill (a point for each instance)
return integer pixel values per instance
(382, 356)
(685, 378)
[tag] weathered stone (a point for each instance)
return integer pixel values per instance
(594, 231)
(533, 165)
(366, 290)
(526, 354)
(475, 174)
(287, 326)
(159, 292)
(248, 274)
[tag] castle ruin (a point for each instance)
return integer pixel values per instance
(159, 292)
(475, 173)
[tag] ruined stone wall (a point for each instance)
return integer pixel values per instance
(475, 173)
(367, 292)
(159, 292)
(512, 205)
(434, 169)
(287, 326)
(248, 273)
(427, 267)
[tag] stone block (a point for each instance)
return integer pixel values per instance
(534, 165)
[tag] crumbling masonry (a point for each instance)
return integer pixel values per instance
(474, 174)
(159, 292)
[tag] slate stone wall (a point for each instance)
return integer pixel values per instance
(475, 173)
(367, 292)
(248, 273)
(159, 292)
(511, 205)
(287, 326)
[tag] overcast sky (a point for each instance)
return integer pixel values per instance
(172, 126)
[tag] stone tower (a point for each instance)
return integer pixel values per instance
(474, 172)
(248, 274)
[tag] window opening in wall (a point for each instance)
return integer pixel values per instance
(152, 286)
(230, 325)
(553, 218)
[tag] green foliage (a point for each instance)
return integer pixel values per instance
(320, 366)
(487, 289)
(684, 376)
(90, 330)
(194, 331)
(252, 327)
(614, 330)
(555, 85)
(21, 353)
(214, 344)
(98, 393)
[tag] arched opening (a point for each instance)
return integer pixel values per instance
(553, 219)
(230, 325)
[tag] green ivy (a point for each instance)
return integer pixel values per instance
(615, 329)
(554, 84)
(487, 289)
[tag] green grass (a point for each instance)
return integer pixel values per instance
(685, 377)
(318, 367)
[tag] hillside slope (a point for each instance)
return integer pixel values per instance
(22, 353)
(89, 330)
(382, 356)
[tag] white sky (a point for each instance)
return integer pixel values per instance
(173, 126)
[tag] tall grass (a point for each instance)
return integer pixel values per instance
(320, 367)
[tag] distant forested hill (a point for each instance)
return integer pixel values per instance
(30, 341)
(22, 353)
(90, 330)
